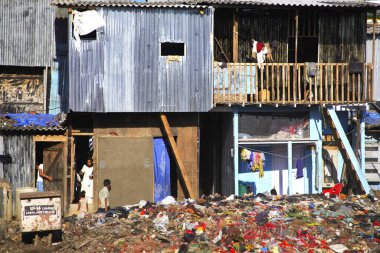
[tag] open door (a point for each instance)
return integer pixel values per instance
(54, 165)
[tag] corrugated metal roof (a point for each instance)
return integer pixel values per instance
(190, 3)
(124, 3)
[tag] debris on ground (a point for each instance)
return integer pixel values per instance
(301, 223)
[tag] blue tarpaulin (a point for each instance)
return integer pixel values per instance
(372, 118)
(25, 119)
(161, 170)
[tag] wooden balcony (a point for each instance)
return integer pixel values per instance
(290, 84)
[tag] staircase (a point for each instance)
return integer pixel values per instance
(350, 160)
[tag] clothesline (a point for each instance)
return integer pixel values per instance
(270, 153)
(274, 154)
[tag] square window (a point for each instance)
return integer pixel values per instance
(172, 49)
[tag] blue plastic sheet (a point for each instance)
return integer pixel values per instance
(372, 118)
(161, 170)
(25, 119)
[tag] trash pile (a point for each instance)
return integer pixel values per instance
(261, 223)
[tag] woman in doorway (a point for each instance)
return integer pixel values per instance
(87, 182)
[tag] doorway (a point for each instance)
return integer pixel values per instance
(83, 150)
(52, 156)
(165, 170)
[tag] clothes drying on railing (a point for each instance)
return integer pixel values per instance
(234, 80)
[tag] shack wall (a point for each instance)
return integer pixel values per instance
(342, 36)
(27, 33)
(123, 71)
(184, 127)
(21, 172)
(376, 67)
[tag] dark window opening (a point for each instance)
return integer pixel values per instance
(170, 48)
(307, 49)
(371, 160)
(89, 36)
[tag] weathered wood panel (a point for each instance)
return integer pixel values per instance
(21, 92)
(260, 25)
(342, 36)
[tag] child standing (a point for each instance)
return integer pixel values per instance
(82, 205)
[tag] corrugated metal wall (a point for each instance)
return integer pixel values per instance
(122, 71)
(342, 36)
(27, 32)
(376, 84)
(21, 171)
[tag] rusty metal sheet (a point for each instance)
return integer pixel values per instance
(41, 214)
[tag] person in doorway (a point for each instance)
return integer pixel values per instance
(41, 176)
(104, 196)
(87, 180)
(82, 205)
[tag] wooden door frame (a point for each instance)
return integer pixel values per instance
(58, 139)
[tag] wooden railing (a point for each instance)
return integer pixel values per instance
(289, 83)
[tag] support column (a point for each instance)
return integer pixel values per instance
(313, 170)
(319, 165)
(236, 150)
(362, 139)
(374, 24)
(316, 134)
(290, 167)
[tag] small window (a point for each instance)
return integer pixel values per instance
(370, 159)
(171, 48)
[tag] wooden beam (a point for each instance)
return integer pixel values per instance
(374, 24)
(235, 36)
(177, 155)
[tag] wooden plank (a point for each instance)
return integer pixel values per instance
(72, 174)
(217, 82)
(370, 84)
(229, 81)
(235, 83)
(288, 81)
(261, 81)
(235, 36)
(272, 84)
(283, 83)
(353, 88)
(299, 84)
(342, 82)
(278, 82)
(348, 85)
(266, 81)
(331, 83)
(315, 89)
(336, 83)
(326, 84)
(256, 84)
(251, 82)
(359, 88)
(177, 155)
(374, 22)
(321, 83)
